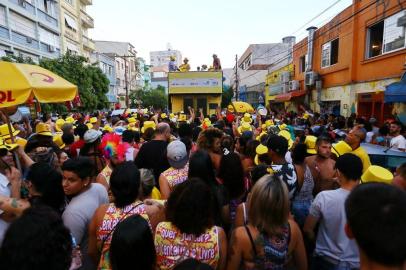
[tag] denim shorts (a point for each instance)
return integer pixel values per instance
(300, 210)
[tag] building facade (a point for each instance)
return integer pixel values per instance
(126, 68)
(75, 22)
(30, 29)
(144, 77)
(346, 65)
(107, 65)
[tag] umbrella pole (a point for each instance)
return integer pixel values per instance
(17, 159)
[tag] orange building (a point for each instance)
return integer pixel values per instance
(347, 64)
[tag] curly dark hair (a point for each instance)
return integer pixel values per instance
(37, 240)
(190, 205)
(205, 141)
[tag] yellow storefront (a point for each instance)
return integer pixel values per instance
(277, 82)
(195, 89)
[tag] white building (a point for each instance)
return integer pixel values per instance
(162, 58)
(125, 58)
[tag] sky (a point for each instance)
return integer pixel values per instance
(200, 28)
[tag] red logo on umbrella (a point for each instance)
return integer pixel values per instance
(47, 79)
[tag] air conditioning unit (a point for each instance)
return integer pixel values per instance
(310, 78)
(293, 85)
(51, 48)
(285, 77)
(29, 40)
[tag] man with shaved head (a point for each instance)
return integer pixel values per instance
(152, 154)
(354, 139)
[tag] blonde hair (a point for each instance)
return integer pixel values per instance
(269, 204)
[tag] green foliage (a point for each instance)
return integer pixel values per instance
(156, 98)
(18, 59)
(227, 96)
(92, 83)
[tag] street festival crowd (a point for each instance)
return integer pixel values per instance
(154, 190)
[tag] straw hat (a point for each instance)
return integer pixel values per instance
(341, 148)
(58, 124)
(58, 141)
(4, 131)
(245, 126)
(43, 129)
(247, 118)
(310, 142)
(377, 174)
(260, 150)
(148, 124)
(286, 134)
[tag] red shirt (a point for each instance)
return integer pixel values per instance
(76, 145)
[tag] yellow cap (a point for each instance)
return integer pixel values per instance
(163, 115)
(269, 123)
(310, 142)
(58, 141)
(58, 124)
(70, 120)
(43, 129)
(89, 125)
(4, 133)
(230, 108)
(148, 124)
(7, 146)
(377, 174)
(182, 118)
(245, 126)
(247, 118)
(283, 127)
(93, 120)
(108, 128)
(131, 120)
(341, 148)
(172, 115)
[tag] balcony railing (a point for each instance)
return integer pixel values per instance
(24, 5)
(88, 43)
(86, 19)
(87, 2)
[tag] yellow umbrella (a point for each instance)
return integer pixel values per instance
(19, 82)
(243, 107)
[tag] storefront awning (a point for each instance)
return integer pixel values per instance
(288, 96)
(396, 92)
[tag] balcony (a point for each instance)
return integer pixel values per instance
(24, 5)
(88, 44)
(87, 21)
(4, 33)
(47, 19)
(87, 2)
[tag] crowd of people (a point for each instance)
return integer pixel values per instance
(154, 190)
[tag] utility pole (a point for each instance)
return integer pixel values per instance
(236, 79)
(124, 57)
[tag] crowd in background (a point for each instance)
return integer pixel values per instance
(155, 190)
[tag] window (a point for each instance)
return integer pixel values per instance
(2, 16)
(70, 2)
(22, 25)
(302, 64)
(110, 70)
(48, 37)
(70, 23)
(118, 81)
(329, 53)
(387, 35)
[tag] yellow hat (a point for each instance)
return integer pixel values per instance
(131, 120)
(8, 147)
(341, 148)
(4, 133)
(145, 111)
(263, 127)
(269, 123)
(58, 141)
(43, 129)
(182, 118)
(163, 115)
(282, 127)
(377, 174)
(89, 125)
(108, 128)
(93, 120)
(247, 118)
(260, 135)
(245, 126)
(306, 116)
(58, 124)
(286, 134)
(310, 142)
(172, 115)
(18, 141)
(148, 124)
(70, 120)
(206, 123)
(230, 108)
(260, 150)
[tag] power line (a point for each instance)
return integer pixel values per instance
(323, 33)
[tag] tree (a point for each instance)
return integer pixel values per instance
(156, 98)
(93, 85)
(227, 96)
